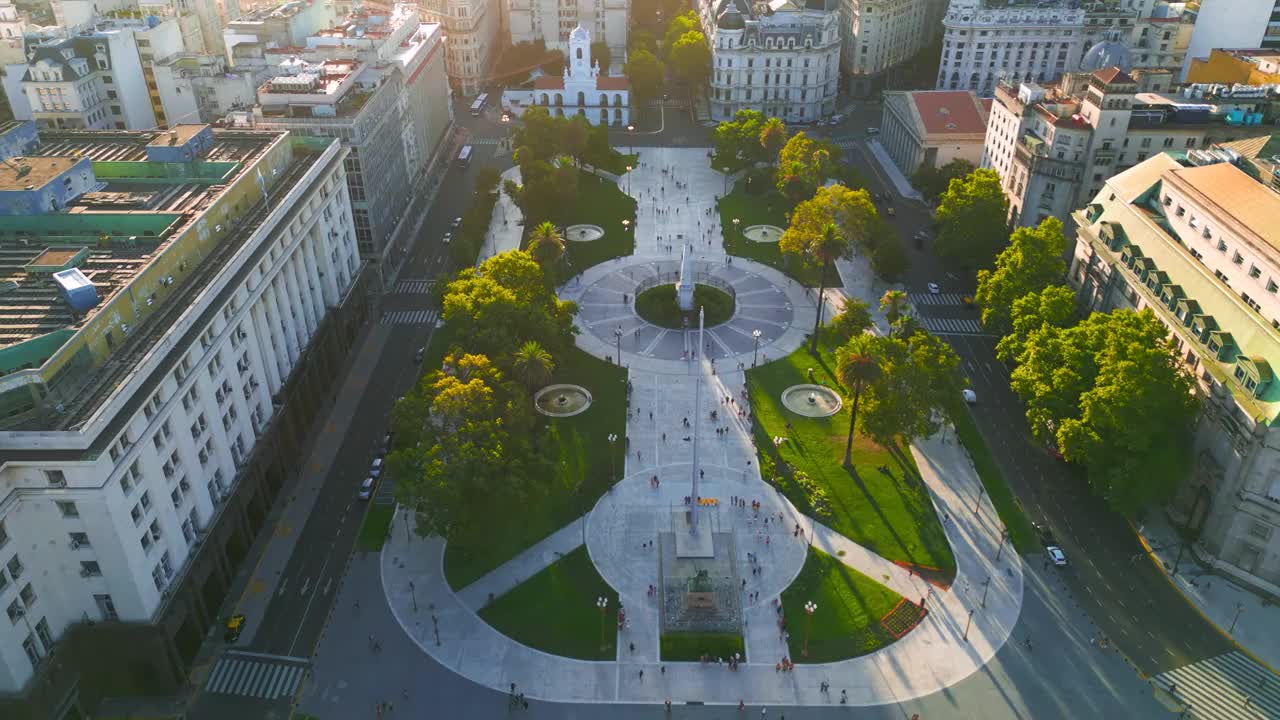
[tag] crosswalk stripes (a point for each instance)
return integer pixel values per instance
(483, 141)
(256, 676)
(959, 326)
(936, 299)
(1225, 687)
(845, 143)
(410, 317)
(415, 287)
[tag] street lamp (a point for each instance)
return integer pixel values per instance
(1239, 609)
(413, 595)
(1004, 535)
(626, 224)
(966, 626)
(628, 183)
(736, 223)
(982, 490)
(613, 466)
(617, 334)
(602, 602)
(809, 607)
(631, 134)
(986, 585)
(755, 335)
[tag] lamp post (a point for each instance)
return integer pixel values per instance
(736, 223)
(617, 334)
(602, 602)
(413, 595)
(967, 625)
(1239, 609)
(809, 607)
(626, 225)
(613, 464)
(631, 134)
(982, 490)
(986, 585)
(755, 336)
(628, 184)
(1004, 535)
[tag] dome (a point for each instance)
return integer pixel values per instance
(731, 19)
(1109, 52)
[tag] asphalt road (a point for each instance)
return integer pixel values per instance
(1127, 596)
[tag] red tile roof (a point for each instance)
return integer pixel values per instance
(612, 82)
(548, 82)
(946, 112)
(1114, 74)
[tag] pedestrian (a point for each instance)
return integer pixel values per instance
(642, 674)
(844, 697)
(662, 669)
(524, 704)
(633, 647)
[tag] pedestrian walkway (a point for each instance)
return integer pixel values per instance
(936, 299)
(1228, 687)
(506, 226)
(409, 317)
(415, 286)
(267, 677)
(524, 566)
(951, 326)
(890, 169)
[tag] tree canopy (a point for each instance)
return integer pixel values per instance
(738, 141)
(600, 53)
(676, 29)
(852, 212)
(646, 73)
(933, 181)
(1031, 262)
(504, 303)
(1053, 306)
(857, 364)
(804, 164)
(972, 221)
(853, 320)
(773, 137)
(914, 376)
(690, 59)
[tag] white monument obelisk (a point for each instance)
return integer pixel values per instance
(684, 286)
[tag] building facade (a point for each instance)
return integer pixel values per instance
(178, 318)
(582, 90)
(1234, 24)
(878, 35)
(783, 60)
(933, 127)
(1229, 67)
(1197, 243)
(551, 21)
(1054, 149)
(474, 31)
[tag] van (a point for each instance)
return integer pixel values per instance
(872, 132)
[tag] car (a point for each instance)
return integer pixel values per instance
(366, 488)
(1056, 556)
(835, 120)
(967, 301)
(375, 469)
(934, 289)
(419, 354)
(872, 131)
(890, 211)
(447, 237)
(455, 222)
(385, 447)
(970, 396)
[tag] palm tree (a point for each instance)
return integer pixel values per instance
(532, 364)
(830, 245)
(893, 304)
(546, 245)
(773, 135)
(857, 363)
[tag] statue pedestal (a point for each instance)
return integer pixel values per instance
(692, 542)
(684, 295)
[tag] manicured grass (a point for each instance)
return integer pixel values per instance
(619, 161)
(892, 515)
(1021, 534)
(658, 306)
(579, 447)
(373, 531)
(847, 621)
(691, 647)
(555, 610)
(766, 208)
(602, 203)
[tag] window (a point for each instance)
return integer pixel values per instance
(90, 568)
(79, 540)
(15, 567)
(106, 607)
(145, 500)
(67, 508)
(4, 535)
(28, 595)
(56, 478)
(1255, 271)
(1237, 258)
(15, 612)
(136, 514)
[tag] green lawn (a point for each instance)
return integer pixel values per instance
(373, 531)
(891, 515)
(602, 203)
(579, 446)
(846, 622)
(690, 647)
(555, 610)
(658, 306)
(619, 161)
(766, 208)
(1021, 534)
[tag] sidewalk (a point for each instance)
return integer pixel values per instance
(1237, 612)
(532, 561)
(506, 227)
(860, 283)
(900, 182)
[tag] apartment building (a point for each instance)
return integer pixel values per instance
(1234, 24)
(1229, 67)
(473, 28)
(782, 58)
(1054, 149)
(204, 87)
(878, 35)
(188, 330)
(551, 21)
(1197, 241)
(933, 127)
(267, 35)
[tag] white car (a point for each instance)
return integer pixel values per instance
(366, 488)
(456, 222)
(970, 396)
(447, 237)
(375, 469)
(934, 289)
(1056, 556)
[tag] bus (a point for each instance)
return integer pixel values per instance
(478, 106)
(464, 156)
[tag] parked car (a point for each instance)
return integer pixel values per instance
(1056, 556)
(366, 488)
(375, 469)
(872, 132)
(967, 301)
(835, 119)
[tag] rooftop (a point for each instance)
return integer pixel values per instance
(22, 173)
(1237, 195)
(950, 112)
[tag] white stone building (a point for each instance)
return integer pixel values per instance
(933, 127)
(781, 58)
(134, 420)
(474, 31)
(879, 35)
(583, 90)
(551, 21)
(1234, 24)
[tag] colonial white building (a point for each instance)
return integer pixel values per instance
(551, 21)
(781, 58)
(881, 34)
(582, 90)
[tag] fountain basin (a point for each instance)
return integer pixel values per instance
(763, 233)
(813, 401)
(562, 400)
(583, 233)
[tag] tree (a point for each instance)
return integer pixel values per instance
(824, 246)
(804, 164)
(678, 27)
(916, 374)
(851, 211)
(600, 53)
(1112, 394)
(546, 246)
(554, 64)
(573, 138)
(642, 40)
(737, 141)
(854, 319)
(933, 181)
(504, 303)
(532, 365)
(972, 220)
(646, 73)
(894, 305)
(690, 59)
(889, 257)
(1031, 262)
(1053, 306)
(773, 137)
(857, 363)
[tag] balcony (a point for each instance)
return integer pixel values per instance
(1042, 164)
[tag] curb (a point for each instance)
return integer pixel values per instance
(1151, 556)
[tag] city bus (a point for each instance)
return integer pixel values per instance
(478, 106)
(464, 156)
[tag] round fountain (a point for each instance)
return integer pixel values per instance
(562, 400)
(813, 401)
(583, 233)
(763, 233)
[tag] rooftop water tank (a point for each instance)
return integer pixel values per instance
(77, 290)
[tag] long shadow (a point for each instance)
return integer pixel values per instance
(916, 497)
(884, 519)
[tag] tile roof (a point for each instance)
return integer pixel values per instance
(548, 82)
(950, 112)
(1238, 195)
(611, 82)
(1114, 74)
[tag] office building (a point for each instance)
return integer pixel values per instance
(933, 127)
(474, 31)
(1197, 241)
(265, 36)
(175, 306)
(879, 35)
(1054, 149)
(781, 58)
(551, 21)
